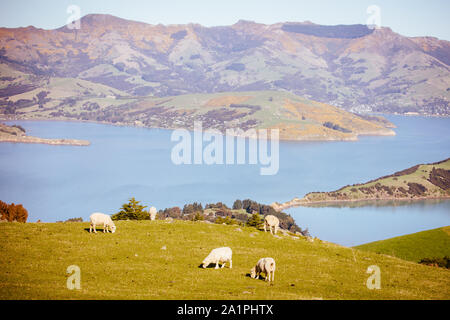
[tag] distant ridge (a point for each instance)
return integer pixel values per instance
(349, 66)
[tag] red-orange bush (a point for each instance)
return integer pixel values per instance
(13, 212)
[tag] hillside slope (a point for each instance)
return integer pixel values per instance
(160, 260)
(414, 247)
(351, 66)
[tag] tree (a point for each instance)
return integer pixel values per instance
(255, 221)
(250, 206)
(13, 212)
(192, 208)
(132, 211)
(237, 205)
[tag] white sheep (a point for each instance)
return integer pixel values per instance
(152, 213)
(219, 255)
(264, 265)
(271, 222)
(98, 218)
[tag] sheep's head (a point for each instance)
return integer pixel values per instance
(205, 263)
(253, 273)
(113, 228)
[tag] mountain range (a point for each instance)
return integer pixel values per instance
(353, 67)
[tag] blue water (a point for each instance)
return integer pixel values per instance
(60, 182)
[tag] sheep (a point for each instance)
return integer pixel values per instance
(152, 213)
(98, 218)
(219, 255)
(271, 221)
(265, 265)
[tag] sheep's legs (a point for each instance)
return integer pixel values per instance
(231, 264)
(217, 265)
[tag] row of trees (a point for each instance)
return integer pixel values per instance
(13, 212)
(219, 212)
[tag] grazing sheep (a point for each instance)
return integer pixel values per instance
(102, 219)
(264, 265)
(219, 255)
(152, 213)
(271, 222)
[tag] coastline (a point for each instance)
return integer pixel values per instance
(35, 140)
(353, 138)
(304, 202)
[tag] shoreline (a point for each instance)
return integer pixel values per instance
(305, 202)
(55, 142)
(354, 138)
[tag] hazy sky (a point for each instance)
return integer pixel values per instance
(407, 17)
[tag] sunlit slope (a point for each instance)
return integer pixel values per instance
(414, 247)
(160, 260)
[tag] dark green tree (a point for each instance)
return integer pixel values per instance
(255, 221)
(132, 211)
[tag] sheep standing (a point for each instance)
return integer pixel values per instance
(152, 213)
(271, 222)
(264, 265)
(219, 255)
(98, 218)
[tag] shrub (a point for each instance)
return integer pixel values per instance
(440, 178)
(416, 189)
(74, 220)
(13, 212)
(226, 220)
(437, 262)
(255, 221)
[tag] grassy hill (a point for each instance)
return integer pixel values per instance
(414, 247)
(160, 260)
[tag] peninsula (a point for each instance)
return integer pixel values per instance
(423, 181)
(16, 134)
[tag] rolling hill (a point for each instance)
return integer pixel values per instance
(160, 260)
(349, 66)
(414, 247)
